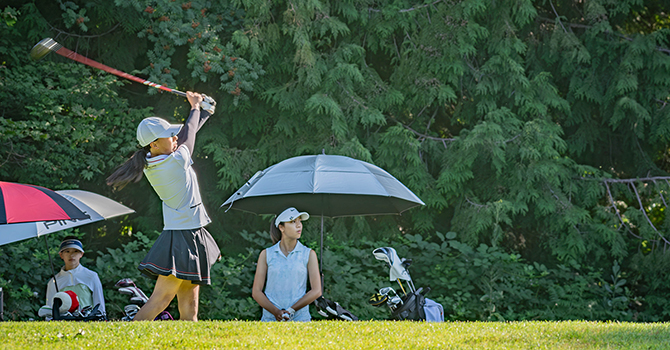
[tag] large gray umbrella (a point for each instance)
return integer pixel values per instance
(326, 186)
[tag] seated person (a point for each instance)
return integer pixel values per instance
(74, 277)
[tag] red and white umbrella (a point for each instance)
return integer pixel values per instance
(28, 211)
(93, 207)
(28, 203)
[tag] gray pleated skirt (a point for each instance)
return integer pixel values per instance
(185, 254)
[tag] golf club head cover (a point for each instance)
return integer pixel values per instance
(321, 305)
(44, 311)
(378, 299)
(333, 310)
(164, 316)
(67, 301)
(126, 282)
(208, 104)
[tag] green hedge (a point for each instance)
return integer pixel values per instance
(483, 283)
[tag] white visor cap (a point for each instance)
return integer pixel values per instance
(290, 214)
(153, 128)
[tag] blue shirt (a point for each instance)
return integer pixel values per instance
(287, 280)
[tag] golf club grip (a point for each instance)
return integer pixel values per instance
(89, 62)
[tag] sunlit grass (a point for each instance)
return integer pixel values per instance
(334, 335)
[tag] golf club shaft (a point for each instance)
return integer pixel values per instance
(89, 62)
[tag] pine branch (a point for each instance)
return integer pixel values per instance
(618, 214)
(565, 206)
(628, 181)
(424, 137)
(395, 43)
(583, 26)
(431, 118)
(419, 7)
(557, 16)
(67, 34)
(510, 140)
(639, 201)
(479, 206)
(409, 9)
(351, 96)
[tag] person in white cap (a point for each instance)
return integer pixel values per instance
(286, 266)
(75, 277)
(181, 258)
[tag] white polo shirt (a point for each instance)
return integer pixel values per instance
(175, 182)
(76, 276)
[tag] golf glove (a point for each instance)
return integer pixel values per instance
(208, 104)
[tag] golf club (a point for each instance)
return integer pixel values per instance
(47, 45)
(126, 282)
(394, 302)
(387, 290)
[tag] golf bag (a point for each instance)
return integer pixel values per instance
(66, 307)
(126, 286)
(333, 310)
(412, 305)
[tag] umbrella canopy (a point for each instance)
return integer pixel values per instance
(326, 185)
(93, 206)
(28, 203)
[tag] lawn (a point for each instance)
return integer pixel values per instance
(334, 335)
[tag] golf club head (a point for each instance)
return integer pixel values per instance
(136, 295)
(383, 254)
(208, 104)
(331, 310)
(387, 290)
(43, 48)
(377, 299)
(131, 310)
(345, 317)
(138, 301)
(394, 302)
(126, 282)
(390, 257)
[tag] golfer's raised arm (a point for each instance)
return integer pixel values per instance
(193, 123)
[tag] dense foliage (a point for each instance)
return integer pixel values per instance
(534, 131)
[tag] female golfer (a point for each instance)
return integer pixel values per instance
(286, 265)
(181, 258)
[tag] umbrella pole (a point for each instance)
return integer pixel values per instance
(321, 257)
(46, 244)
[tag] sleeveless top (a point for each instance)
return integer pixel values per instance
(175, 182)
(287, 280)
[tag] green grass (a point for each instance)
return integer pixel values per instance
(334, 335)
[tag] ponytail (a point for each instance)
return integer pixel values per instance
(275, 233)
(130, 171)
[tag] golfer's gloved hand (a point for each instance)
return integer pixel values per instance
(208, 104)
(278, 314)
(288, 314)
